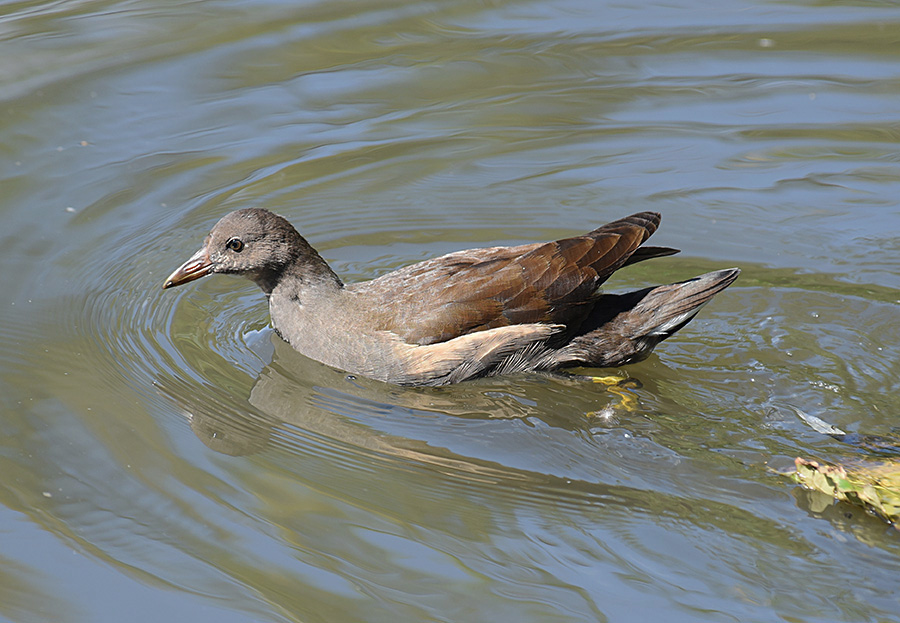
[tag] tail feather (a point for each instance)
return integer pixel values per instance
(648, 253)
(626, 327)
(666, 309)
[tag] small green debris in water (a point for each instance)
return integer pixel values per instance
(872, 485)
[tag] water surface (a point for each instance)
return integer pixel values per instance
(166, 457)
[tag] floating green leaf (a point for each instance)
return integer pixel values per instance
(872, 485)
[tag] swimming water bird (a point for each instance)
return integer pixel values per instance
(473, 313)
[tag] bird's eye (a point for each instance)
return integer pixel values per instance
(235, 244)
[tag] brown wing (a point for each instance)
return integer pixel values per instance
(554, 282)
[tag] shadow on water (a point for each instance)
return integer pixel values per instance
(300, 407)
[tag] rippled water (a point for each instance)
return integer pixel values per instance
(165, 457)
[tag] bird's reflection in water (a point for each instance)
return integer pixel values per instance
(528, 438)
(294, 395)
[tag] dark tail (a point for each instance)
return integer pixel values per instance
(665, 309)
(626, 327)
(648, 253)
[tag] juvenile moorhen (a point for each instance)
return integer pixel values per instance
(473, 313)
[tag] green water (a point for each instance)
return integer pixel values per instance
(164, 457)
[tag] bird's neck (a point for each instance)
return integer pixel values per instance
(304, 276)
(307, 309)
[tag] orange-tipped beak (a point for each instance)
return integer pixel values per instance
(199, 265)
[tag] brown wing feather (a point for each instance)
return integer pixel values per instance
(554, 282)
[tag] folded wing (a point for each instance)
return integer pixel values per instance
(468, 291)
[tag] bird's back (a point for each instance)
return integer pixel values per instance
(479, 289)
